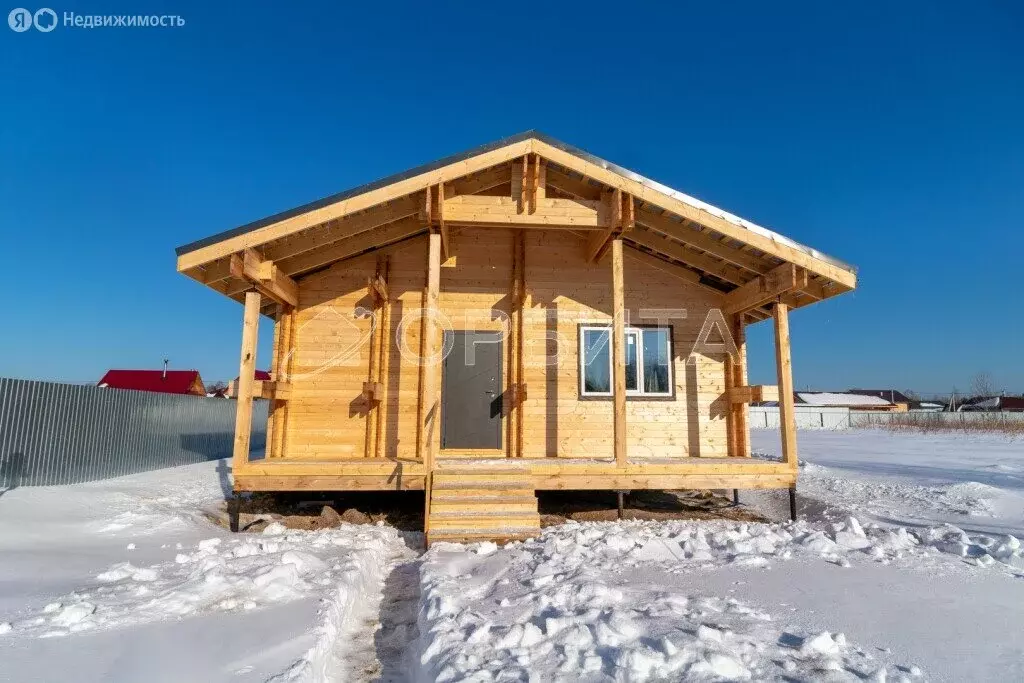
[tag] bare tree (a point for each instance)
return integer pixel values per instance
(983, 385)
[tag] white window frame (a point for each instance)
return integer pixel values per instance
(637, 333)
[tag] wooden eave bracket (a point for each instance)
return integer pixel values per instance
(622, 218)
(373, 391)
(754, 394)
(433, 214)
(516, 394)
(378, 288)
(783, 280)
(278, 391)
(269, 280)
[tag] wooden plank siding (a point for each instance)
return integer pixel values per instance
(327, 411)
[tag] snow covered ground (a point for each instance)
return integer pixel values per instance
(905, 564)
(902, 567)
(125, 580)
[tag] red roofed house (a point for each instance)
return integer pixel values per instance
(160, 381)
(258, 375)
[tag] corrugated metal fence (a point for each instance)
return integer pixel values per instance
(63, 433)
(829, 417)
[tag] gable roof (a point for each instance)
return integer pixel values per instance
(890, 395)
(175, 381)
(724, 250)
(827, 398)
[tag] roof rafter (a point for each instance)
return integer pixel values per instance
(644, 192)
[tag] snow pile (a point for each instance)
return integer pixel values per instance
(562, 605)
(218, 574)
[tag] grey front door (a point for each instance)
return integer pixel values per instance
(471, 390)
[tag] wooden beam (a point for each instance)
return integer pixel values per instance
(784, 367)
(481, 182)
(353, 246)
(765, 288)
(324, 236)
(685, 232)
(597, 245)
(351, 205)
(446, 249)
(428, 407)
(523, 189)
(278, 391)
(645, 193)
(265, 276)
(503, 212)
(753, 394)
(577, 187)
(377, 286)
(246, 380)
(618, 354)
(534, 184)
(694, 259)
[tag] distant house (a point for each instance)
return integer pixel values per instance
(897, 397)
(182, 382)
(994, 404)
(258, 375)
(847, 400)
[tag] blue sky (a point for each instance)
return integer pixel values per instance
(888, 136)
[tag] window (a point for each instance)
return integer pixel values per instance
(648, 361)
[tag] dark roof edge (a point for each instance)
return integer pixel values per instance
(355, 191)
(497, 144)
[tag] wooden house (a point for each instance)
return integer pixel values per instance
(523, 316)
(185, 382)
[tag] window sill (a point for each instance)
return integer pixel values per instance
(629, 397)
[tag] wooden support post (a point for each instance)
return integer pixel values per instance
(282, 372)
(523, 183)
(428, 404)
(515, 389)
(736, 376)
(520, 247)
(784, 366)
(378, 289)
(384, 361)
(619, 353)
(534, 184)
(246, 378)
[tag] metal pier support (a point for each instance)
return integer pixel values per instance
(736, 497)
(234, 505)
(792, 503)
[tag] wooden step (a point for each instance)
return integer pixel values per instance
(509, 504)
(483, 485)
(464, 535)
(495, 520)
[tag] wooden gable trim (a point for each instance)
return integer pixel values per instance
(645, 193)
(407, 186)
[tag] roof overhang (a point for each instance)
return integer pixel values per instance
(724, 251)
